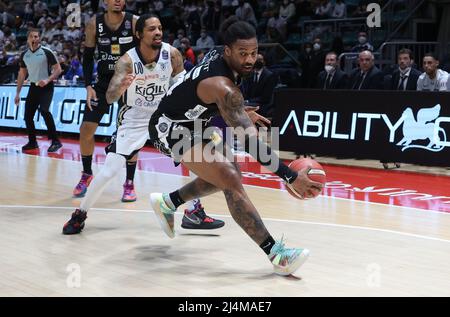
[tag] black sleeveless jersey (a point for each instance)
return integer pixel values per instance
(111, 45)
(181, 102)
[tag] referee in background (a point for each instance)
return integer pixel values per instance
(42, 68)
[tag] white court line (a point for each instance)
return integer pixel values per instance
(265, 219)
(262, 187)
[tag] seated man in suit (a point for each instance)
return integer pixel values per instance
(258, 88)
(367, 76)
(332, 77)
(405, 77)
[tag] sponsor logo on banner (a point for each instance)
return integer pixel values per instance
(318, 124)
(423, 128)
(125, 40)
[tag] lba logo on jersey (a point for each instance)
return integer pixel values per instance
(427, 126)
(151, 91)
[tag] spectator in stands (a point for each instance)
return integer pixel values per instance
(187, 50)
(39, 8)
(47, 31)
(245, 12)
(363, 43)
(58, 30)
(276, 30)
(433, 79)
(72, 33)
(56, 45)
(205, 41)
(75, 69)
(43, 19)
(323, 10)
(339, 10)
(194, 22)
(332, 77)
(159, 6)
(360, 11)
(212, 18)
(405, 77)
(27, 13)
(317, 62)
(188, 65)
(305, 60)
(180, 36)
(367, 76)
(287, 11)
(130, 6)
(258, 88)
(9, 36)
(304, 8)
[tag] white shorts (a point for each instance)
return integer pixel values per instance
(132, 132)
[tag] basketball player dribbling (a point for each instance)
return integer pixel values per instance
(208, 89)
(142, 76)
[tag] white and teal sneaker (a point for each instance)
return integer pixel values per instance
(286, 261)
(163, 213)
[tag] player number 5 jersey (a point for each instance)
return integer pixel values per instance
(152, 80)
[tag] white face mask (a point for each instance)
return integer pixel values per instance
(316, 46)
(329, 68)
(362, 39)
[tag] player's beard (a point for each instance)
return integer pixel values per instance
(156, 46)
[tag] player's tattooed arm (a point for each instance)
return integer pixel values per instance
(177, 61)
(231, 106)
(122, 79)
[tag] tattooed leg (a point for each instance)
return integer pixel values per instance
(224, 175)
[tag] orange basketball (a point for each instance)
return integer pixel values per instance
(317, 174)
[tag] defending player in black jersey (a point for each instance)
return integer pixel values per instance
(209, 89)
(112, 33)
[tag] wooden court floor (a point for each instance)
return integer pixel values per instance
(357, 248)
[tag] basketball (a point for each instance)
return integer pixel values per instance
(317, 174)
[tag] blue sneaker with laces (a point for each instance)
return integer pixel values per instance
(286, 261)
(163, 213)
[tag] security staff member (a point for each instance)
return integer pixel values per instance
(42, 68)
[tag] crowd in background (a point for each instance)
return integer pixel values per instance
(192, 27)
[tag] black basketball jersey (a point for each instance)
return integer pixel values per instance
(181, 102)
(111, 45)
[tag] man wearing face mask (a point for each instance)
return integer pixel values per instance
(405, 77)
(332, 77)
(317, 63)
(258, 88)
(363, 44)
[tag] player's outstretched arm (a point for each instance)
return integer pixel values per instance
(229, 99)
(121, 80)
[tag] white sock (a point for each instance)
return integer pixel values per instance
(113, 165)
